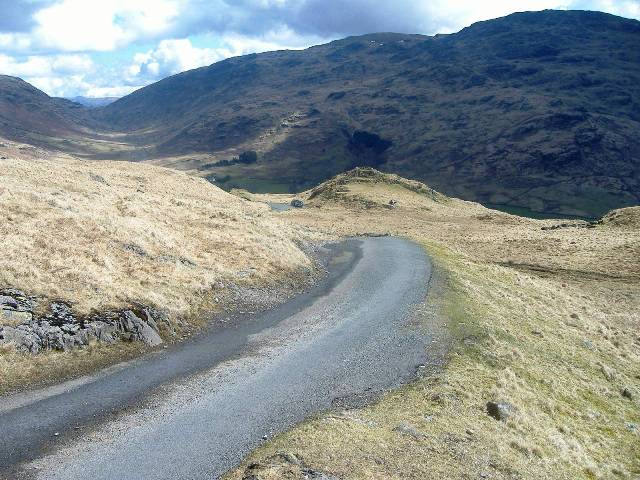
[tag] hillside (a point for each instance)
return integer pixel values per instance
(98, 238)
(535, 110)
(29, 114)
(542, 318)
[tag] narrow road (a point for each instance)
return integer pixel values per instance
(195, 410)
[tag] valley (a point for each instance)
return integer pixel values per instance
(536, 110)
(387, 256)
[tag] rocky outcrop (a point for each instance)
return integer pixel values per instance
(60, 329)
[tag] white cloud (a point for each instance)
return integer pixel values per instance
(80, 25)
(39, 66)
(171, 56)
(178, 55)
(15, 41)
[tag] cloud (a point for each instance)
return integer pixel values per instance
(177, 55)
(172, 56)
(78, 25)
(40, 66)
(17, 15)
(332, 18)
(56, 44)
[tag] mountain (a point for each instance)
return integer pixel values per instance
(93, 102)
(27, 113)
(539, 110)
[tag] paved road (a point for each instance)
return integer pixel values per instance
(193, 412)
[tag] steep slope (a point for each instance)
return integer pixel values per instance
(27, 113)
(535, 109)
(82, 242)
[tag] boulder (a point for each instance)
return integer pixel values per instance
(499, 410)
(297, 203)
(140, 329)
(102, 331)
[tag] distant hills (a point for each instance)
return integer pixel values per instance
(94, 102)
(537, 110)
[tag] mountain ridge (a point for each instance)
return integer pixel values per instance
(537, 109)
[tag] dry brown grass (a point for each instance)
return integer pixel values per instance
(104, 234)
(544, 319)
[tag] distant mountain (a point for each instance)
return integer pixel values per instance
(538, 110)
(94, 102)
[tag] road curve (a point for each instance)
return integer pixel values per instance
(195, 410)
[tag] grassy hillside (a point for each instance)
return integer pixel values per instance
(541, 318)
(107, 236)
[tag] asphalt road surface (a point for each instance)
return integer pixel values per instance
(195, 410)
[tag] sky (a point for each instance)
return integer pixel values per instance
(101, 48)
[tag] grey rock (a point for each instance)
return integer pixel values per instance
(137, 249)
(147, 316)
(7, 301)
(102, 331)
(149, 336)
(54, 338)
(297, 203)
(140, 329)
(316, 475)
(71, 328)
(16, 299)
(81, 337)
(409, 430)
(61, 330)
(288, 457)
(23, 338)
(500, 410)
(14, 317)
(61, 313)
